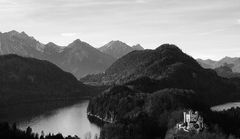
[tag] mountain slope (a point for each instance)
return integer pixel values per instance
(28, 79)
(165, 67)
(208, 64)
(81, 59)
(14, 42)
(152, 88)
(78, 60)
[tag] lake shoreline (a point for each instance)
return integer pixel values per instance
(58, 116)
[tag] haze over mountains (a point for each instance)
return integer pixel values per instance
(79, 57)
(233, 63)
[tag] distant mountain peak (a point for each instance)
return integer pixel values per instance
(116, 48)
(79, 57)
(50, 44)
(52, 48)
(13, 32)
(78, 43)
(137, 47)
(21, 35)
(116, 43)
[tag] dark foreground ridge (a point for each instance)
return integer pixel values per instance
(25, 80)
(151, 89)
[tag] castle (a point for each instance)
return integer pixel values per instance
(192, 121)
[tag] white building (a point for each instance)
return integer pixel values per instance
(192, 121)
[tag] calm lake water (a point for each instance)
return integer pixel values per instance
(226, 106)
(52, 117)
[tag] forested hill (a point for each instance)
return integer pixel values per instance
(29, 79)
(152, 63)
(166, 67)
(151, 89)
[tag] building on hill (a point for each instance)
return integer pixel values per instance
(192, 121)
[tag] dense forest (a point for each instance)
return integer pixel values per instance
(151, 89)
(27, 79)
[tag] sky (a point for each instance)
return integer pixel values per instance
(202, 28)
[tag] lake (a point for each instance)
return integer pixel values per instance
(225, 106)
(52, 117)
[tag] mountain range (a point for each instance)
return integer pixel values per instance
(117, 49)
(78, 58)
(233, 63)
(152, 88)
(149, 89)
(165, 67)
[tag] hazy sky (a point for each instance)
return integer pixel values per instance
(202, 28)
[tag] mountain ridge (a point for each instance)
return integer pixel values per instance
(29, 79)
(234, 61)
(14, 42)
(152, 88)
(118, 48)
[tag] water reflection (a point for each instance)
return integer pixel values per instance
(70, 120)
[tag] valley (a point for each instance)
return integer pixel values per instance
(143, 89)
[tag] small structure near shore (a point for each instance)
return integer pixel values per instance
(192, 122)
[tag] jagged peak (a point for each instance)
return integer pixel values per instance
(137, 47)
(18, 34)
(75, 42)
(79, 43)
